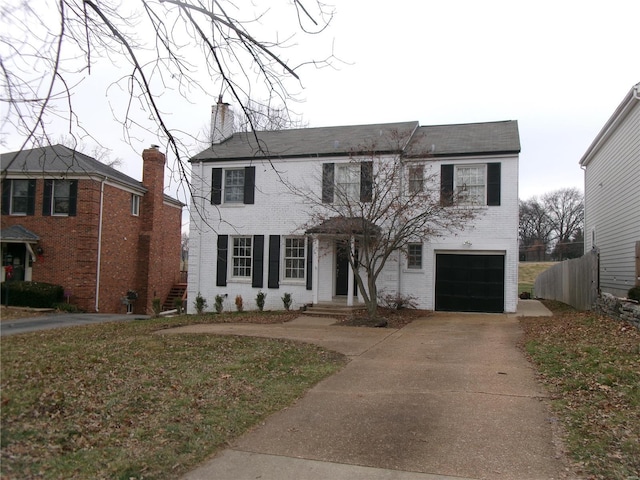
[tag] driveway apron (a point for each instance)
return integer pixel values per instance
(449, 395)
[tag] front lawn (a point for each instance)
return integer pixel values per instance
(591, 364)
(116, 401)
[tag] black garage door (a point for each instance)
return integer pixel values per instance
(470, 283)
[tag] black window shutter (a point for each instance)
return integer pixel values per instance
(249, 185)
(6, 196)
(257, 271)
(446, 185)
(31, 200)
(216, 186)
(493, 184)
(46, 201)
(73, 198)
(327, 182)
(309, 263)
(221, 267)
(274, 261)
(366, 181)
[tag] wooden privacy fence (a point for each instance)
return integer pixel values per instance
(575, 282)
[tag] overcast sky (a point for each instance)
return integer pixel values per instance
(560, 68)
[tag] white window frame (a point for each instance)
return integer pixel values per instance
(241, 257)
(238, 197)
(415, 179)
(410, 255)
(463, 187)
(347, 182)
(12, 210)
(135, 205)
(60, 198)
(286, 259)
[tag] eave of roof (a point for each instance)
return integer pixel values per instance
(631, 99)
(17, 233)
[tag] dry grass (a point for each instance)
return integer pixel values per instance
(116, 401)
(527, 273)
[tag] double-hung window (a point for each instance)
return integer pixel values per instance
(61, 197)
(19, 197)
(414, 256)
(234, 185)
(416, 179)
(470, 184)
(135, 204)
(294, 258)
(241, 257)
(348, 182)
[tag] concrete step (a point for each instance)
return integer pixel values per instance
(329, 310)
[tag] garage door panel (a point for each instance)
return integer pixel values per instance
(470, 283)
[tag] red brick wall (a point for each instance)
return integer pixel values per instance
(141, 253)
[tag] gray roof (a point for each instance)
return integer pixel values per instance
(404, 137)
(311, 142)
(466, 139)
(17, 233)
(58, 159)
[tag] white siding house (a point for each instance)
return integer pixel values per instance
(249, 233)
(612, 196)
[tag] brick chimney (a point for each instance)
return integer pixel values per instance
(153, 161)
(221, 122)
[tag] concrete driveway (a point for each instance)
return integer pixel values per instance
(448, 396)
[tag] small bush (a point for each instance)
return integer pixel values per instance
(219, 303)
(156, 306)
(287, 300)
(397, 301)
(200, 303)
(66, 307)
(260, 298)
(239, 305)
(178, 305)
(634, 293)
(32, 294)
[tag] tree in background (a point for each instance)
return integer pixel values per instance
(552, 225)
(168, 47)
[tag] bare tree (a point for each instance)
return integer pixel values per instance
(47, 49)
(94, 150)
(565, 209)
(399, 203)
(534, 229)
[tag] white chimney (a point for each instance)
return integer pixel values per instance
(221, 122)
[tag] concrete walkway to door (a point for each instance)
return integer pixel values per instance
(448, 396)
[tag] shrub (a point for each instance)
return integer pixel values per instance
(260, 298)
(178, 305)
(200, 303)
(634, 293)
(219, 305)
(287, 300)
(32, 294)
(66, 307)
(239, 305)
(156, 306)
(398, 301)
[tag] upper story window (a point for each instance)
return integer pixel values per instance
(233, 185)
(294, 258)
(241, 258)
(470, 184)
(416, 178)
(60, 197)
(347, 182)
(18, 197)
(135, 204)
(414, 256)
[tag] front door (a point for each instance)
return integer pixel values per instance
(342, 271)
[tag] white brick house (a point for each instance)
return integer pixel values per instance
(247, 230)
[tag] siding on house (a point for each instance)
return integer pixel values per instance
(277, 211)
(612, 197)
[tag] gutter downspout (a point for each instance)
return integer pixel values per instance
(97, 307)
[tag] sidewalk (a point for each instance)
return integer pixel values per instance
(448, 396)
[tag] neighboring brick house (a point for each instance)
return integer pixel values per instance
(246, 235)
(611, 167)
(70, 220)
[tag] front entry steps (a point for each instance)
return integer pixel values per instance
(179, 290)
(330, 310)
